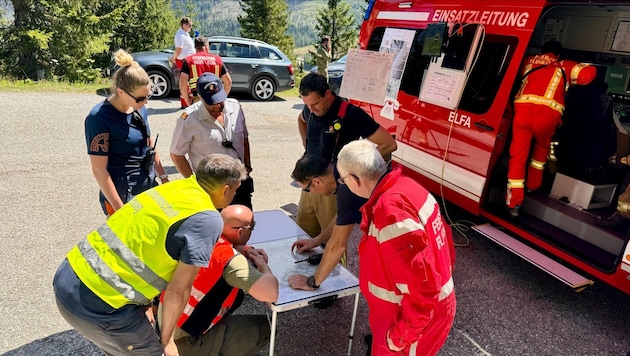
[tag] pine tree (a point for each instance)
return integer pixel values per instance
(57, 38)
(71, 39)
(267, 20)
(337, 21)
(146, 25)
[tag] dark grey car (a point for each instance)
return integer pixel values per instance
(255, 66)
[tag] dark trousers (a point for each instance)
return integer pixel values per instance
(243, 194)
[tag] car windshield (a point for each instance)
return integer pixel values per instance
(342, 60)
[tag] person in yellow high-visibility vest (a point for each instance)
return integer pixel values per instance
(156, 242)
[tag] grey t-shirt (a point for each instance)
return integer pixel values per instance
(187, 241)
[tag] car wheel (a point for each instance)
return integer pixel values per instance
(263, 88)
(160, 84)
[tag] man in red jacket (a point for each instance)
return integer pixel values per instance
(538, 106)
(207, 326)
(407, 280)
(198, 63)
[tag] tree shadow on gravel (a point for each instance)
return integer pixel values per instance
(64, 343)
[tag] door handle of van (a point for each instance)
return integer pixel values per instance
(484, 126)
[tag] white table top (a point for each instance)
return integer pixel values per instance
(275, 232)
(274, 225)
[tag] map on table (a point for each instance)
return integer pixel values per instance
(282, 263)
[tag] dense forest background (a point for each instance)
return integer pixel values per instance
(73, 39)
(218, 17)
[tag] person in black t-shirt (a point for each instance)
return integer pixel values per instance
(317, 176)
(326, 124)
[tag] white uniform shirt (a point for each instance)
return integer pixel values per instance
(198, 134)
(183, 40)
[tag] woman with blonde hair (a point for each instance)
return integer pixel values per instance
(119, 143)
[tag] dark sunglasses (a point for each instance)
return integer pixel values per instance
(138, 100)
(308, 186)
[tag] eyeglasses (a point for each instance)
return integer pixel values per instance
(342, 179)
(308, 186)
(140, 99)
(245, 227)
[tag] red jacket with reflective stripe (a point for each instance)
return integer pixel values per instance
(211, 296)
(546, 80)
(202, 62)
(405, 272)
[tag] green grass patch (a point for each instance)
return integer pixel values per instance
(293, 93)
(100, 87)
(12, 85)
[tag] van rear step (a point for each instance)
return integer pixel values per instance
(555, 269)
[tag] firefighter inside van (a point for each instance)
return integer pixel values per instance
(538, 107)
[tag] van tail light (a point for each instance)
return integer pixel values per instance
(290, 68)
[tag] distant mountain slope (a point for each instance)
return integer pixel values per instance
(219, 17)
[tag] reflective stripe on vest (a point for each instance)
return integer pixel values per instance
(400, 228)
(195, 73)
(540, 100)
(129, 257)
(225, 308)
(516, 183)
(395, 298)
(575, 72)
(623, 207)
(125, 260)
(537, 164)
(216, 305)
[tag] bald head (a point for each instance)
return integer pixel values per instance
(238, 222)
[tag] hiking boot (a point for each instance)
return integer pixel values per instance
(615, 222)
(514, 211)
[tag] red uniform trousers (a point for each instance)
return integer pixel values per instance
(531, 121)
(179, 63)
(433, 336)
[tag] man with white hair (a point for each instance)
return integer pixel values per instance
(408, 280)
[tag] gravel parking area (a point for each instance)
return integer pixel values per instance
(49, 202)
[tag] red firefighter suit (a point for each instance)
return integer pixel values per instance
(538, 106)
(197, 64)
(406, 261)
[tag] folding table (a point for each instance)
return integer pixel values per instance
(275, 232)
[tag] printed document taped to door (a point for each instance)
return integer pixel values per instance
(366, 76)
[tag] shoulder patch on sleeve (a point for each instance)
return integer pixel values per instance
(183, 116)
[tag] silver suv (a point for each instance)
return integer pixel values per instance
(255, 66)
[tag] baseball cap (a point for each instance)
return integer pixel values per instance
(210, 88)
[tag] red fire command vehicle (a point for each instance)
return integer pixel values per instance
(449, 102)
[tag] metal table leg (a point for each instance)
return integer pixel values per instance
(354, 320)
(272, 340)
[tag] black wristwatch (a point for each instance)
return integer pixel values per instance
(310, 281)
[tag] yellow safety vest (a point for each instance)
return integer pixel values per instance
(125, 260)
